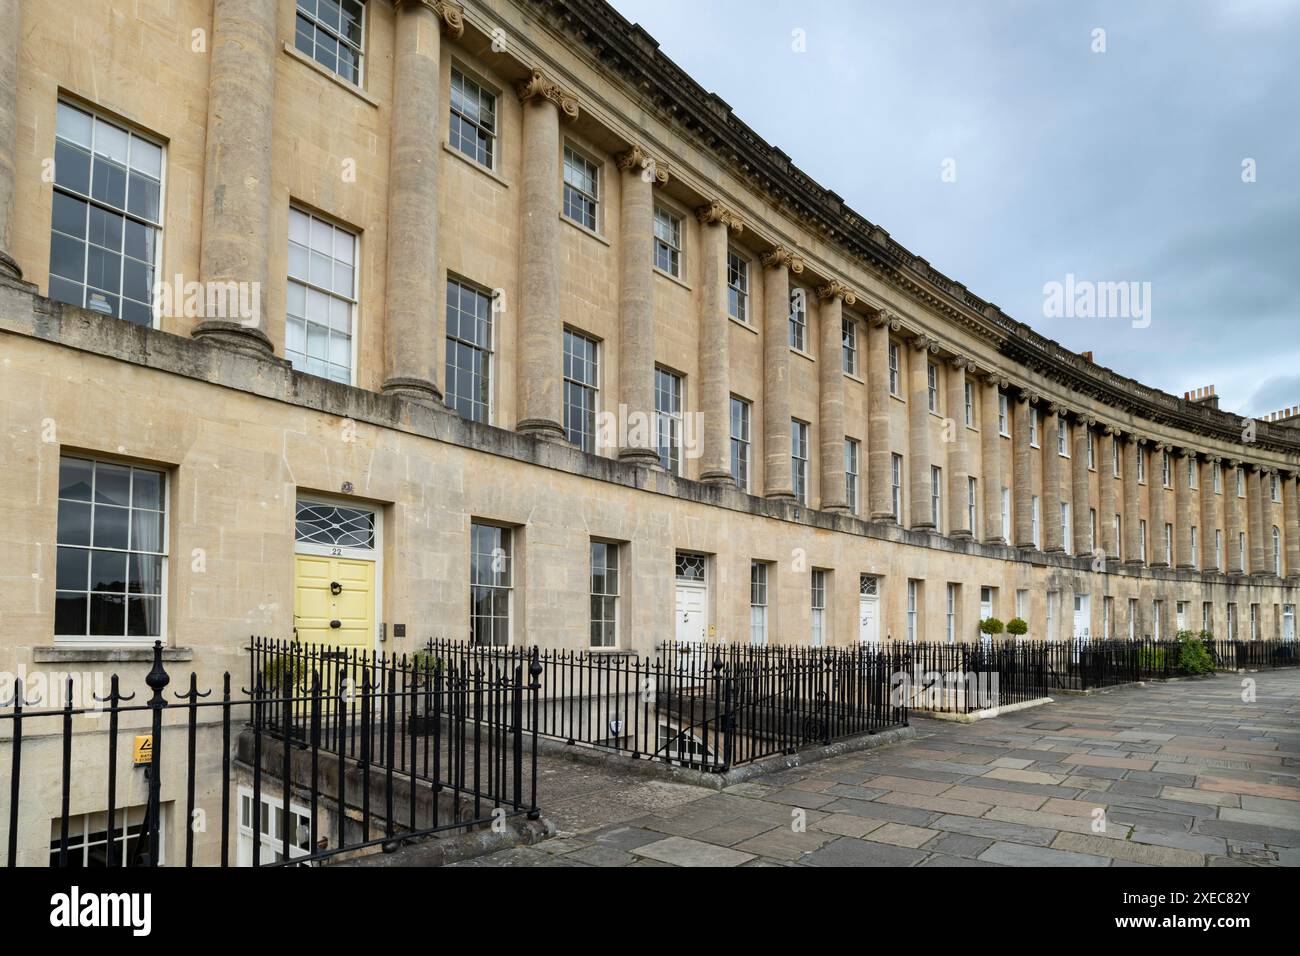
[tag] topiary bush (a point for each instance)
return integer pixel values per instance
(1017, 626)
(991, 626)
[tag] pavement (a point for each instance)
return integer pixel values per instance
(1186, 773)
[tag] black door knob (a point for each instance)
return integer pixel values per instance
(336, 623)
(336, 588)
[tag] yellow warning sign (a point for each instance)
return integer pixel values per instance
(143, 749)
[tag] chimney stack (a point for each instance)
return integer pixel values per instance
(1206, 396)
(1285, 416)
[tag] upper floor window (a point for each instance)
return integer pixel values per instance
(1114, 456)
(852, 452)
(320, 298)
(1141, 463)
(849, 344)
(331, 33)
(668, 419)
(112, 551)
(473, 120)
(893, 369)
(896, 486)
(970, 404)
(468, 386)
(932, 386)
(1217, 472)
(738, 287)
(740, 442)
(1275, 488)
(1092, 451)
(1164, 469)
(1062, 437)
(1003, 430)
(668, 242)
(581, 188)
(581, 389)
(1241, 482)
(936, 500)
(799, 459)
(106, 227)
(1277, 551)
(1193, 480)
(1033, 426)
(798, 318)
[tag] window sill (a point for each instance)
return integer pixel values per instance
(334, 78)
(744, 325)
(670, 277)
(489, 173)
(898, 398)
(802, 354)
(855, 378)
(106, 654)
(584, 230)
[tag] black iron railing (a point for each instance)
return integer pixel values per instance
(708, 707)
(325, 753)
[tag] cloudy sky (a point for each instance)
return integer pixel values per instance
(1123, 165)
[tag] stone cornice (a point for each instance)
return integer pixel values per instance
(615, 45)
(539, 86)
(637, 160)
(715, 213)
(783, 256)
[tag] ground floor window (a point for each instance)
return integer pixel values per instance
(818, 607)
(89, 844)
(490, 588)
(271, 825)
(604, 594)
(757, 602)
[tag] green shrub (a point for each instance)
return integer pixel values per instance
(1193, 656)
(1017, 626)
(991, 626)
(1151, 658)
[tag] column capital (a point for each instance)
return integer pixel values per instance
(886, 319)
(1191, 453)
(452, 15)
(961, 363)
(540, 86)
(995, 379)
(1057, 408)
(1026, 394)
(783, 257)
(835, 289)
(924, 343)
(715, 213)
(1233, 463)
(1084, 419)
(637, 160)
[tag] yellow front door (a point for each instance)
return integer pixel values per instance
(334, 602)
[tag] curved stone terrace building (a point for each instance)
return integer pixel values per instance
(374, 322)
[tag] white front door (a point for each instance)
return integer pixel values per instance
(692, 612)
(868, 620)
(1182, 615)
(1082, 617)
(1288, 622)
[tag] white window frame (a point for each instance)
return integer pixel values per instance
(913, 621)
(741, 445)
(817, 607)
(1062, 436)
(587, 440)
(972, 499)
(970, 404)
(738, 287)
(932, 386)
(358, 48)
(799, 459)
(271, 816)
(579, 160)
(615, 549)
(673, 246)
(1033, 427)
(896, 485)
(483, 91)
(895, 375)
(852, 457)
(759, 594)
(1003, 415)
(1006, 513)
(951, 628)
(1034, 522)
(936, 497)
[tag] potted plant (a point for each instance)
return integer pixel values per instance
(426, 673)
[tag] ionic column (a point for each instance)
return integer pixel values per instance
(1291, 522)
(918, 432)
(235, 245)
(1107, 510)
(540, 330)
(777, 266)
(1157, 557)
(878, 446)
(1053, 530)
(1234, 519)
(1134, 447)
(991, 453)
(415, 331)
(1022, 477)
(1082, 506)
(830, 383)
(958, 468)
(1210, 524)
(11, 15)
(1255, 509)
(636, 341)
(1185, 513)
(715, 335)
